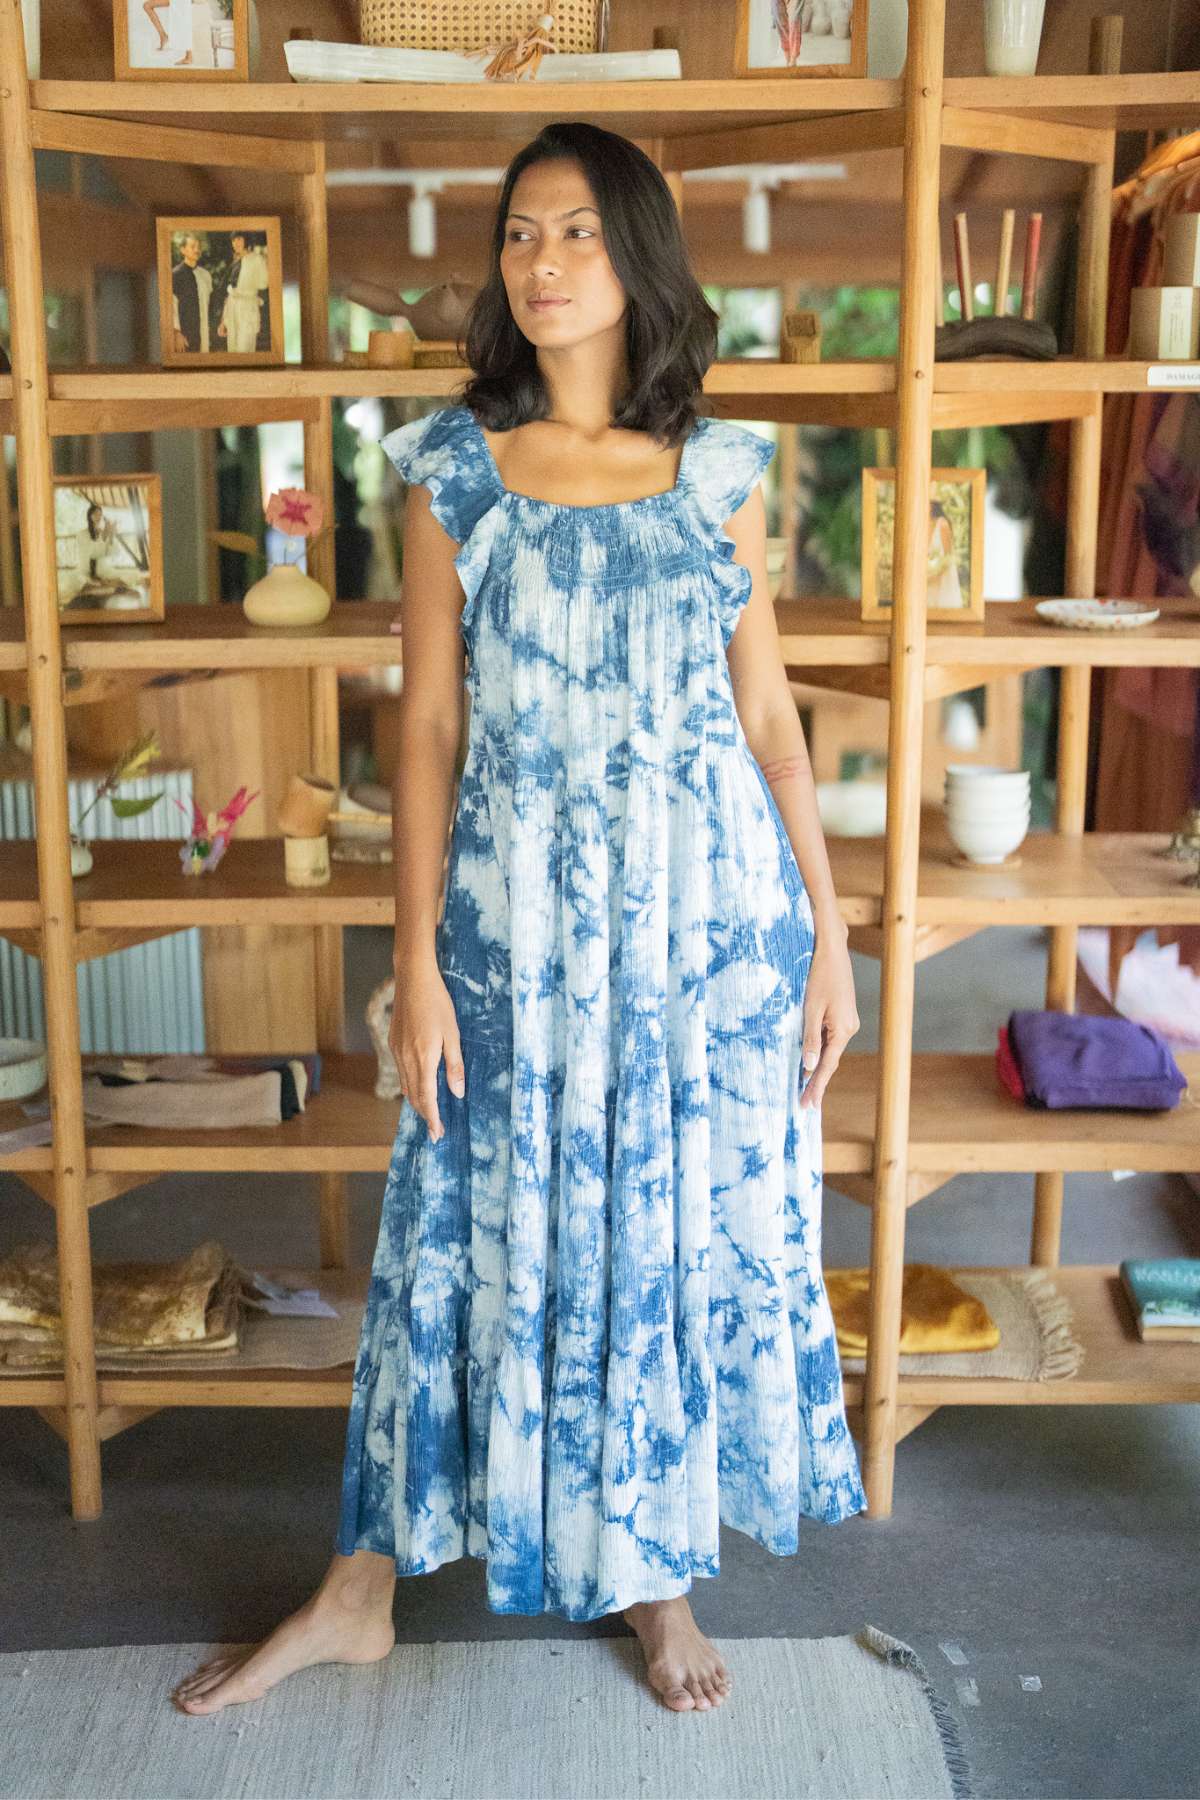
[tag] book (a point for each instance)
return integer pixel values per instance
(1164, 1293)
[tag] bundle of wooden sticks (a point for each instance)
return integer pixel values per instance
(998, 333)
(962, 258)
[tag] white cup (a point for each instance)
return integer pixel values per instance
(1012, 36)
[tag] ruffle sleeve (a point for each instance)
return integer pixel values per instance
(726, 463)
(445, 453)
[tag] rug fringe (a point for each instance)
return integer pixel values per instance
(1061, 1351)
(901, 1655)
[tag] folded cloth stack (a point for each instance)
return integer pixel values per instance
(188, 1093)
(191, 1304)
(935, 1312)
(1053, 1059)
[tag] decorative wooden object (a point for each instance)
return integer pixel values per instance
(800, 340)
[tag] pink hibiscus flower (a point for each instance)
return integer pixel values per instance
(296, 512)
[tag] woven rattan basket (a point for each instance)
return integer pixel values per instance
(466, 25)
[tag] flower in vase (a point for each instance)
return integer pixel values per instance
(296, 512)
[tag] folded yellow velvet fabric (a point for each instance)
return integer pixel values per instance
(935, 1312)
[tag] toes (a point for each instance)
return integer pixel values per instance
(697, 1692)
(679, 1699)
(713, 1690)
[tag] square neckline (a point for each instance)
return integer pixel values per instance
(671, 493)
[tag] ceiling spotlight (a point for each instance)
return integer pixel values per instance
(756, 218)
(422, 223)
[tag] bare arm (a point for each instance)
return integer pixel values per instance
(776, 738)
(431, 719)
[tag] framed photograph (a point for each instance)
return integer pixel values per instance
(800, 37)
(108, 548)
(220, 291)
(181, 40)
(954, 582)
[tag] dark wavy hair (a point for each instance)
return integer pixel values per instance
(670, 329)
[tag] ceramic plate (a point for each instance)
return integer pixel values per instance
(1096, 615)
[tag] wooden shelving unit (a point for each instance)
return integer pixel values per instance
(897, 1125)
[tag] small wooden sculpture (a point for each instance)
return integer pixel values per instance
(800, 341)
(379, 1024)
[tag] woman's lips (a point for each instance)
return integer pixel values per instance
(547, 305)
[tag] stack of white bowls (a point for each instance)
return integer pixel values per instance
(987, 809)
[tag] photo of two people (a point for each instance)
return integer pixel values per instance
(220, 290)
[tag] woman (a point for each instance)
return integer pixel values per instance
(597, 1284)
(944, 588)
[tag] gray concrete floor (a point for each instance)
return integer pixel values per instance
(1056, 1542)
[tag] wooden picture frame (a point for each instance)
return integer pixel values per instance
(757, 50)
(219, 309)
(954, 519)
(188, 27)
(116, 556)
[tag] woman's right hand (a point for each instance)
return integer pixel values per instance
(424, 1025)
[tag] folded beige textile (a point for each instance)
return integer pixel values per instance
(206, 1103)
(194, 1302)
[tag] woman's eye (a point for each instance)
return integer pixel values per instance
(516, 233)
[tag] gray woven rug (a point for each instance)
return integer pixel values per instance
(839, 1718)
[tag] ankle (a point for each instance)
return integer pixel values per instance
(359, 1590)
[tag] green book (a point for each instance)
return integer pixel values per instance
(1164, 1292)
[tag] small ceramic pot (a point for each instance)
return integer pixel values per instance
(306, 861)
(286, 596)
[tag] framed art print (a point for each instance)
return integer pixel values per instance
(800, 37)
(181, 40)
(220, 290)
(954, 567)
(108, 548)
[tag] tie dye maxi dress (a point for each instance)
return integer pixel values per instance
(597, 1323)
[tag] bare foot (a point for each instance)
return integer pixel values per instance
(683, 1666)
(348, 1619)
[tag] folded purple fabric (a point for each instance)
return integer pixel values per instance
(1078, 1059)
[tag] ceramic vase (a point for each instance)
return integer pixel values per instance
(887, 38)
(1012, 36)
(286, 596)
(31, 22)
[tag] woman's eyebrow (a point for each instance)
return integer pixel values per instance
(562, 215)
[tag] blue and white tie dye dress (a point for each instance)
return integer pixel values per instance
(597, 1324)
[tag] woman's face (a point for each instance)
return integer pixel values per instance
(553, 244)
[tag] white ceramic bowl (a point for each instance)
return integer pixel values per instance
(988, 782)
(979, 807)
(22, 1067)
(986, 843)
(998, 822)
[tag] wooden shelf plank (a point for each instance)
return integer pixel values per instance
(1117, 1368)
(471, 111)
(132, 884)
(994, 376)
(345, 1127)
(1099, 878)
(962, 1120)
(221, 637)
(13, 652)
(1115, 102)
(831, 633)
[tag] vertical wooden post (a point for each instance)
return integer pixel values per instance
(30, 386)
(914, 419)
(334, 1229)
(1083, 507)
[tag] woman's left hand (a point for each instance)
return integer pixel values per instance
(830, 1013)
